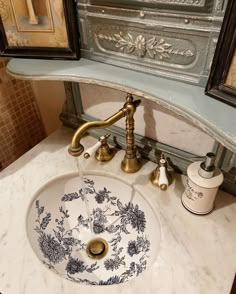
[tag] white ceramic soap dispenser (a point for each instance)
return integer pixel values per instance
(202, 185)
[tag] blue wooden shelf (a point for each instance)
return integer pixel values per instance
(214, 117)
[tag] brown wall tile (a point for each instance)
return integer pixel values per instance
(21, 127)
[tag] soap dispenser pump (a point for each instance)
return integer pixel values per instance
(202, 185)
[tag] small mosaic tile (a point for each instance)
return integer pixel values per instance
(21, 127)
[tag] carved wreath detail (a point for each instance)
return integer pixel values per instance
(154, 47)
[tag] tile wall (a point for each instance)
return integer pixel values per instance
(21, 127)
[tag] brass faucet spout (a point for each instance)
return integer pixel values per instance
(130, 163)
(76, 148)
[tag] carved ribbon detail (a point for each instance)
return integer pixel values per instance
(154, 47)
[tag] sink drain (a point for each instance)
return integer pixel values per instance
(97, 248)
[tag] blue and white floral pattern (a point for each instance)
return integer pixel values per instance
(60, 244)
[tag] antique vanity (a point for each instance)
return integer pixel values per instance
(167, 38)
(159, 50)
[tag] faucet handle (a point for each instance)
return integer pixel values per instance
(160, 177)
(104, 152)
(101, 150)
(90, 151)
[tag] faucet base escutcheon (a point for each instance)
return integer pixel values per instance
(130, 165)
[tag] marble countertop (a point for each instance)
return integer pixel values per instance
(197, 253)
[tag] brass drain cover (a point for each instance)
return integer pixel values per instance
(97, 248)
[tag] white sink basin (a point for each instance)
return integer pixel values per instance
(126, 227)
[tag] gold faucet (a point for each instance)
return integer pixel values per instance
(130, 163)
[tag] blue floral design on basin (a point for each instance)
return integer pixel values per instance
(61, 223)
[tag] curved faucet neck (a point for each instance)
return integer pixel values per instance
(76, 148)
(128, 110)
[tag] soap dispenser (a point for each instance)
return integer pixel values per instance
(202, 185)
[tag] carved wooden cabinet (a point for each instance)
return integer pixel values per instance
(169, 38)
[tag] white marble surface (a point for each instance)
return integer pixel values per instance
(197, 255)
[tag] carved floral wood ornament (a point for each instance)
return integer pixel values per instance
(47, 27)
(154, 47)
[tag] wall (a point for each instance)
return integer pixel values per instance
(50, 97)
(151, 120)
(20, 124)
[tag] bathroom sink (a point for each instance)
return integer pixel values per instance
(107, 236)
